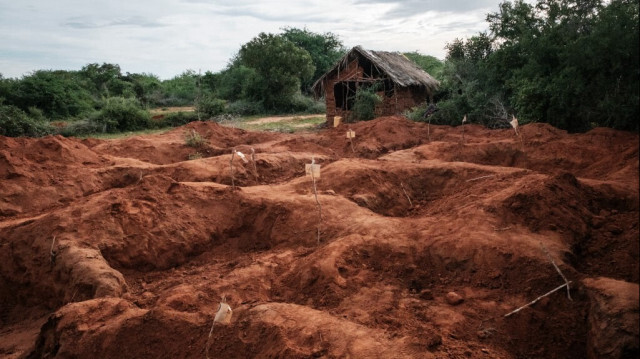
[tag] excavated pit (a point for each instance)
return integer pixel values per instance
(422, 242)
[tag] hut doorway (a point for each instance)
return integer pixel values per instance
(345, 93)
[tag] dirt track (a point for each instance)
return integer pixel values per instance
(147, 242)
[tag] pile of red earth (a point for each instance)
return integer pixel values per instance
(124, 248)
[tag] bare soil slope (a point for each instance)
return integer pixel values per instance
(427, 241)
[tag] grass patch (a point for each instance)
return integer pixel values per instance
(288, 125)
(111, 136)
(193, 139)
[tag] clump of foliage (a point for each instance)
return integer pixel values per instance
(430, 64)
(245, 108)
(280, 66)
(176, 119)
(210, 107)
(364, 104)
(193, 139)
(121, 114)
(570, 63)
(325, 50)
(14, 123)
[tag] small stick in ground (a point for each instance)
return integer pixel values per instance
(501, 229)
(223, 315)
(349, 134)
(536, 300)
(253, 162)
(315, 193)
(52, 253)
(464, 120)
(233, 182)
(405, 193)
(557, 269)
(481, 177)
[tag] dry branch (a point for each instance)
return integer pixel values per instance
(233, 182)
(481, 177)
(501, 229)
(52, 252)
(536, 300)
(557, 269)
(253, 162)
(405, 193)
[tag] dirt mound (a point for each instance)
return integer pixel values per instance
(426, 236)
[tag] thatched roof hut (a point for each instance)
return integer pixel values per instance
(403, 83)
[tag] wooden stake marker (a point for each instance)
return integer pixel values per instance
(351, 135)
(313, 170)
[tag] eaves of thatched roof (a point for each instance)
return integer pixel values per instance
(397, 67)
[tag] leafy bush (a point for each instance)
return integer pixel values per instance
(245, 108)
(193, 139)
(121, 114)
(364, 105)
(81, 127)
(14, 123)
(210, 107)
(176, 119)
(59, 94)
(306, 104)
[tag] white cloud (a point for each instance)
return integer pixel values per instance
(166, 37)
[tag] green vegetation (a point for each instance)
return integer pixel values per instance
(364, 104)
(290, 124)
(194, 139)
(270, 74)
(570, 63)
(14, 122)
(325, 50)
(431, 65)
(121, 114)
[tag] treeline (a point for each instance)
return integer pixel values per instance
(571, 63)
(272, 73)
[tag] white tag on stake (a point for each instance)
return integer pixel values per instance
(224, 314)
(514, 122)
(351, 134)
(310, 168)
(242, 156)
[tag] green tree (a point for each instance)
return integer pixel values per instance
(58, 94)
(571, 63)
(14, 123)
(146, 87)
(181, 90)
(280, 65)
(325, 50)
(430, 64)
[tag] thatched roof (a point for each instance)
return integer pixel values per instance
(397, 67)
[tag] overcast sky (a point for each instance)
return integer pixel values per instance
(167, 37)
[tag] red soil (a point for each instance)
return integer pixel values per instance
(147, 242)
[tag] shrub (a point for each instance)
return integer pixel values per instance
(14, 123)
(81, 127)
(193, 139)
(210, 107)
(176, 119)
(306, 104)
(364, 105)
(245, 108)
(121, 114)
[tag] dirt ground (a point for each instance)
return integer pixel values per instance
(426, 242)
